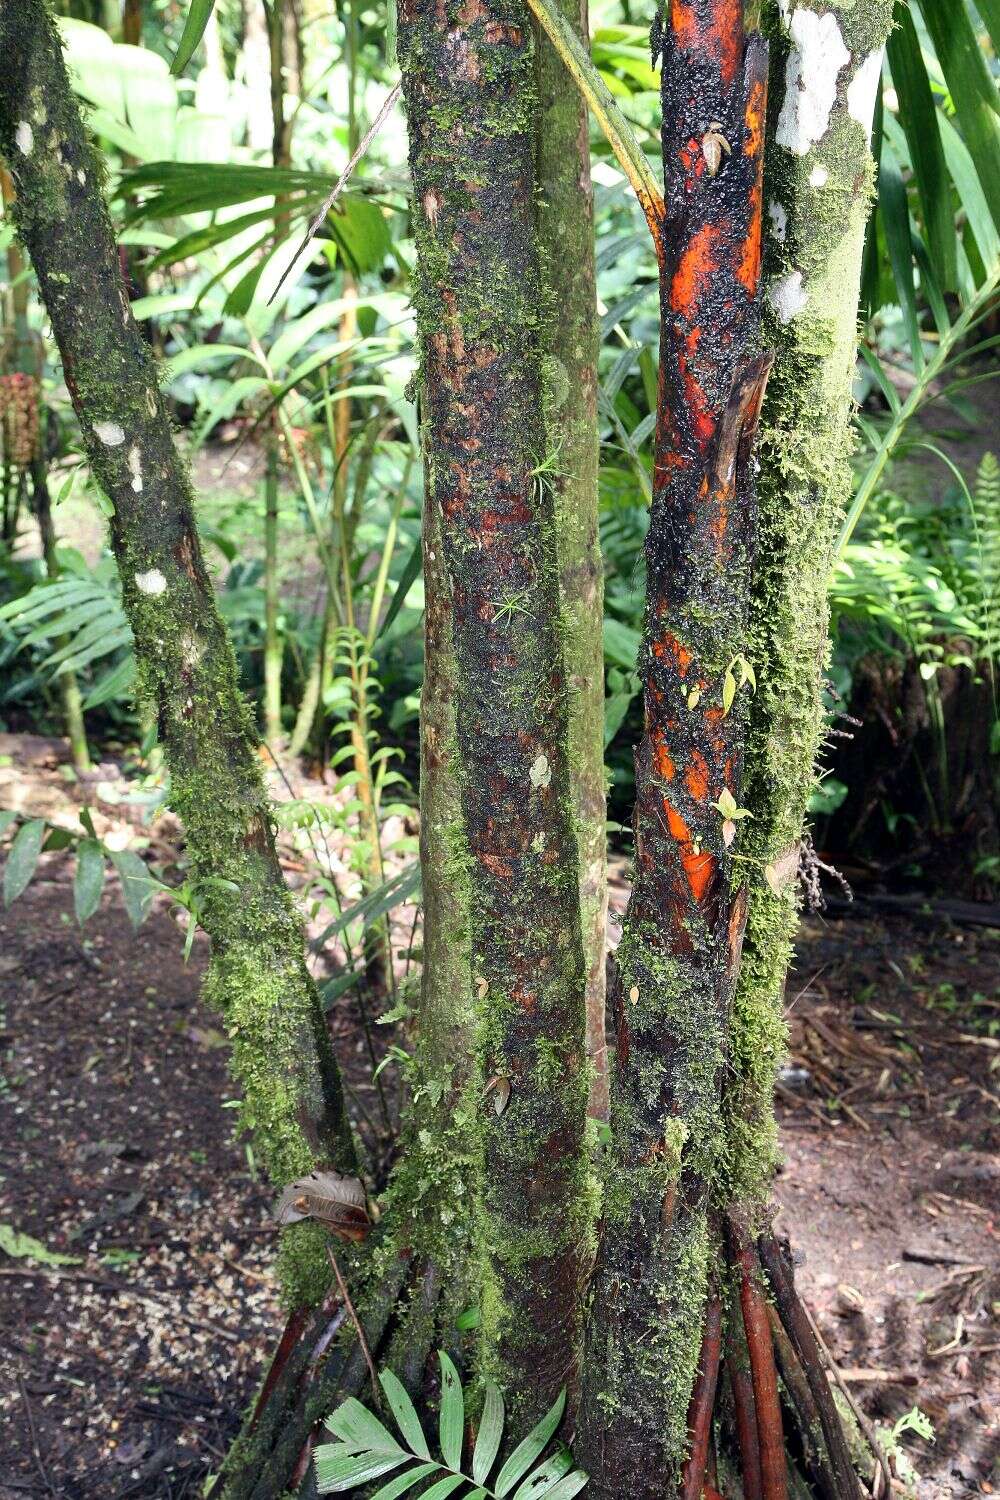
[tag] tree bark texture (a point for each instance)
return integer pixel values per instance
(470, 100)
(258, 978)
(679, 954)
(566, 243)
(825, 71)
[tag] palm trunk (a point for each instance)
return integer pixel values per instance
(467, 80)
(679, 954)
(685, 1211)
(566, 240)
(292, 1094)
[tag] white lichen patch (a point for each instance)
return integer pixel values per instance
(788, 296)
(152, 583)
(815, 59)
(818, 177)
(109, 433)
(24, 138)
(135, 467)
(779, 221)
(862, 90)
(541, 772)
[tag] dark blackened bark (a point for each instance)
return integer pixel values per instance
(258, 977)
(467, 77)
(680, 947)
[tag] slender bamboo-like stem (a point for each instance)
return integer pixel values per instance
(273, 645)
(69, 686)
(679, 955)
(292, 1095)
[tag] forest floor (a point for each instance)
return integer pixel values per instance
(123, 1370)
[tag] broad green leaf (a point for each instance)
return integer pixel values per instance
(895, 211)
(356, 1426)
(972, 89)
(990, 12)
(338, 1470)
(452, 1417)
(919, 118)
(22, 859)
(571, 1485)
(408, 577)
(384, 898)
(404, 1482)
(138, 886)
(88, 881)
(445, 1486)
(526, 1452)
(405, 1413)
(114, 684)
(545, 1478)
(490, 1434)
(970, 192)
(7, 817)
(621, 644)
(198, 16)
(24, 1247)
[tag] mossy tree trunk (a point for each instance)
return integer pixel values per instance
(681, 1379)
(678, 958)
(257, 977)
(470, 101)
(566, 242)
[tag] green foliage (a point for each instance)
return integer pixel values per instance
(37, 836)
(366, 1450)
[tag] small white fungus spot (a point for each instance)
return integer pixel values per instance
(541, 772)
(816, 57)
(863, 90)
(787, 296)
(818, 177)
(24, 138)
(779, 221)
(81, 176)
(135, 467)
(152, 583)
(110, 434)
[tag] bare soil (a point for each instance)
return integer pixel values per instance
(123, 1372)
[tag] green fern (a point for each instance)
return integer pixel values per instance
(986, 517)
(367, 1450)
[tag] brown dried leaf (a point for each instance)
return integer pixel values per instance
(336, 1202)
(499, 1087)
(781, 870)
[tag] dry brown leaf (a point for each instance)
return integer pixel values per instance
(338, 1203)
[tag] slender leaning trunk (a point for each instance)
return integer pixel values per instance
(258, 978)
(470, 100)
